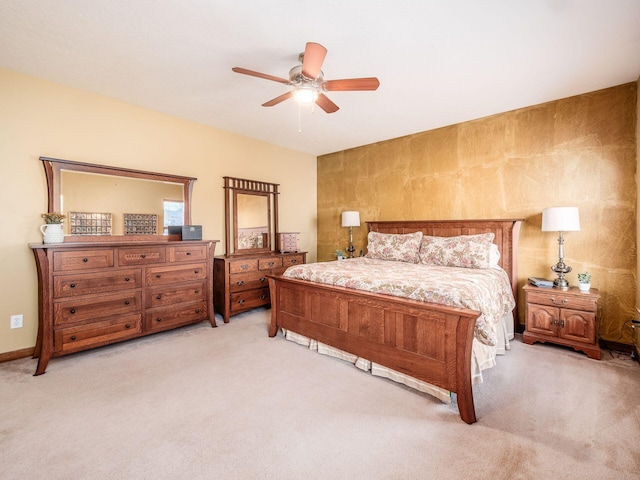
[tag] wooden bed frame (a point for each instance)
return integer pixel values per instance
(428, 341)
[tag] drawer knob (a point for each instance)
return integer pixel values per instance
(159, 297)
(240, 282)
(73, 337)
(196, 271)
(197, 310)
(561, 323)
(188, 253)
(128, 325)
(564, 300)
(73, 285)
(127, 279)
(241, 301)
(143, 256)
(244, 267)
(159, 319)
(271, 264)
(73, 310)
(262, 297)
(293, 260)
(85, 260)
(263, 279)
(158, 275)
(127, 302)
(197, 291)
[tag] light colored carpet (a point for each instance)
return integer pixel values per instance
(231, 403)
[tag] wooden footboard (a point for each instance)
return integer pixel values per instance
(427, 341)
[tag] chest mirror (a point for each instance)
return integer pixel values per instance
(99, 200)
(251, 215)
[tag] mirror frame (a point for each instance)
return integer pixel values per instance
(234, 186)
(53, 167)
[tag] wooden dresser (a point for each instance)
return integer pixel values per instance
(96, 293)
(565, 317)
(240, 281)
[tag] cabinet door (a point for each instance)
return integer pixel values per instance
(542, 319)
(578, 326)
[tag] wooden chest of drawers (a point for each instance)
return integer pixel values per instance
(240, 281)
(96, 293)
(565, 317)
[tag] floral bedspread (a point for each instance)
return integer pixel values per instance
(486, 290)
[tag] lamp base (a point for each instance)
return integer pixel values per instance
(561, 284)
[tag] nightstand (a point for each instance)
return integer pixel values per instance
(565, 317)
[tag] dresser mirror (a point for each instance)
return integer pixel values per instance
(104, 201)
(251, 215)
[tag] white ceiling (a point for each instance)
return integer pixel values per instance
(439, 62)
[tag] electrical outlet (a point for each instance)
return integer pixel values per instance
(16, 321)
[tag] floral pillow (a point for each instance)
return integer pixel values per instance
(468, 251)
(394, 246)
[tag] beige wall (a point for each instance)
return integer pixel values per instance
(579, 151)
(40, 118)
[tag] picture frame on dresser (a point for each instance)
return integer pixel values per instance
(95, 290)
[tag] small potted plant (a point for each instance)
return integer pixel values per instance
(340, 255)
(52, 229)
(584, 281)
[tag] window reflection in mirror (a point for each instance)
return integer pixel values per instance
(98, 193)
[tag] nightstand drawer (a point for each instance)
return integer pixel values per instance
(290, 260)
(558, 299)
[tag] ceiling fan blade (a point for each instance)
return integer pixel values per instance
(327, 105)
(277, 100)
(314, 54)
(370, 83)
(261, 75)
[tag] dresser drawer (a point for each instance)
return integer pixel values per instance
(289, 260)
(249, 299)
(558, 299)
(269, 263)
(82, 260)
(180, 273)
(77, 310)
(88, 283)
(170, 317)
(95, 334)
(247, 281)
(187, 253)
(245, 265)
(141, 255)
(160, 296)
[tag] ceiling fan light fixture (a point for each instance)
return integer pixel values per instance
(305, 94)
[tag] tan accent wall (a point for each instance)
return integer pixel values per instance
(41, 118)
(579, 151)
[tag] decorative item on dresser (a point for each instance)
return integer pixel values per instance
(568, 317)
(251, 228)
(95, 289)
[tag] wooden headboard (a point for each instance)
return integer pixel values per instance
(506, 238)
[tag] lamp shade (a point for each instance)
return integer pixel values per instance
(350, 219)
(561, 219)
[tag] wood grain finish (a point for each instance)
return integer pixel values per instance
(93, 294)
(564, 317)
(241, 280)
(427, 341)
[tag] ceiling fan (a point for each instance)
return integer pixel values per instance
(308, 81)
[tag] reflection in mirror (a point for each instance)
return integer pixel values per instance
(92, 193)
(115, 201)
(252, 212)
